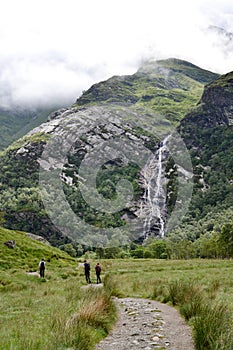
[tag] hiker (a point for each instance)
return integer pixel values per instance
(98, 272)
(42, 267)
(87, 271)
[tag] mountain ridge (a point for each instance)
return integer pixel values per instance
(168, 87)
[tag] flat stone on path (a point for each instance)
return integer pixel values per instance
(147, 325)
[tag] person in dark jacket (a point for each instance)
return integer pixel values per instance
(87, 271)
(42, 268)
(98, 272)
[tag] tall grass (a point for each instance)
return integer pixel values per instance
(211, 325)
(211, 320)
(55, 315)
(90, 320)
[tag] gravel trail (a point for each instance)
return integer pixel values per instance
(147, 325)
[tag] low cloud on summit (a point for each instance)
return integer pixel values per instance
(53, 50)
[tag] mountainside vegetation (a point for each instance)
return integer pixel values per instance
(24, 257)
(15, 123)
(211, 127)
(169, 88)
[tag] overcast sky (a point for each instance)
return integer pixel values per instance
(52, 50)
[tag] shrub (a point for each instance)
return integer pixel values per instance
(160, 291)
(211, 326)
(211, 321)
(91, 318)
(185, 293)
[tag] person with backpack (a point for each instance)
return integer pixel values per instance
(87, 269)
(42, 268)
(98, 272)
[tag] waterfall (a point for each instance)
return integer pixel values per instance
(153, 205)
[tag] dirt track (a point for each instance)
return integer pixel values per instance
(148, 325)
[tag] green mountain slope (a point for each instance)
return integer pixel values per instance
(169, 87)
(26, 254)
(16, 123)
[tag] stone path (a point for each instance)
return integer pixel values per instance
(147, 325)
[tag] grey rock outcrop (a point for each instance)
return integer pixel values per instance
(37, 238)
(10, 244)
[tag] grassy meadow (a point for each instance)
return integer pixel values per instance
(48, 313)
(56, 312)
(140, 277)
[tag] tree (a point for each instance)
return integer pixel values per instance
(207, 246)
(226, 240)
(68, 248)
(79, 250)
(100, 252)
(158, 249)
(112, 252)
(138, 252)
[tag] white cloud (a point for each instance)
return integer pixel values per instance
(52, 50)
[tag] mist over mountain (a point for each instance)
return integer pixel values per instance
(224, 38)
(35, 83)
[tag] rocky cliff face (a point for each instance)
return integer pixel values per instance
(77, 132)
(208, 133)
(217, 99)
(215, 106)
(119, 113)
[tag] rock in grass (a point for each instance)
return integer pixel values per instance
(10, 244)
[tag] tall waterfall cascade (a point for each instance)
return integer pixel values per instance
(153, 209)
